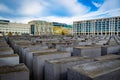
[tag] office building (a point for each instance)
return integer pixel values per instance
(38, 27)
(4, 28)
(15, 28)
(103, 26)
(62, 28)
(19, 28)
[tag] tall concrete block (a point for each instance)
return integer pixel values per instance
(17, 43)
(107, 57)
(88, 51)
(6, 50)
(100, 70)
(110, 49)
(31, 48)
(9, 59)
(58, 67)
(39, 62)
(17, 72)
(29, 57)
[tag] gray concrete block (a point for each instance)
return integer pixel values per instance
(39, 61)
(88, 51)
(17, 43)
(3, 44)
(17, 72)
(100, 70)
(29, 57)
(110, 49)
(58, 67)
(67, 48)
(6, 50)
(9, 59)
(31, 48)
(20, 43)
(107, 57)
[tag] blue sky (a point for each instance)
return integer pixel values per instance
(65, 11)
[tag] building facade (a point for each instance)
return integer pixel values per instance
(15, 28)
(101, 26)
(4, 28)
(40, 27)
(62, 28)
(19, 28)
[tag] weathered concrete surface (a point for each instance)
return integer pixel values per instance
(17, 72)
(100, 70)
(88, 51)
(6, 50)
(58, 67)
(110, 49)
(30, 48)
(16, 43)
(3, 44)
(39, 61)
(29, 57)
(9, 59)
(68, 48)
(107, 57)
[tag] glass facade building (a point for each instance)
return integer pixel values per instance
(101, 26)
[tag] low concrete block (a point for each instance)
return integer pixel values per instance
(39, 61)
(66, 48)
(58, 67)
(100, 70)
(17, 72)
(110, 49)
(9, 59)
(3, 44)
(6, 50)
(88, 51)
(107, 57)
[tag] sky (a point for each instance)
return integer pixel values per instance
(64, 11)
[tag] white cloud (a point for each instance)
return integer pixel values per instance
(32, 8)
(96, 4)
(69, 20)
(110, 5)
(4, 8)
(42, 7)
(78, 10)
(74, 7)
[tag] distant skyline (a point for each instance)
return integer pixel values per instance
(65, 11)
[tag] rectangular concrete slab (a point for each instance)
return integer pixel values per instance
(30, 48)
(3, 44)
(68, 48)
(17, 72)
(6, 50)
(107, 57)
(110, 49)
(100, 70)
(29, 57)
(9, 59)
(58, 67)
(88, 51)
(39, 62)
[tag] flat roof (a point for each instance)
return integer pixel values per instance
(98, 68)
(96, 19)
(4, 21)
